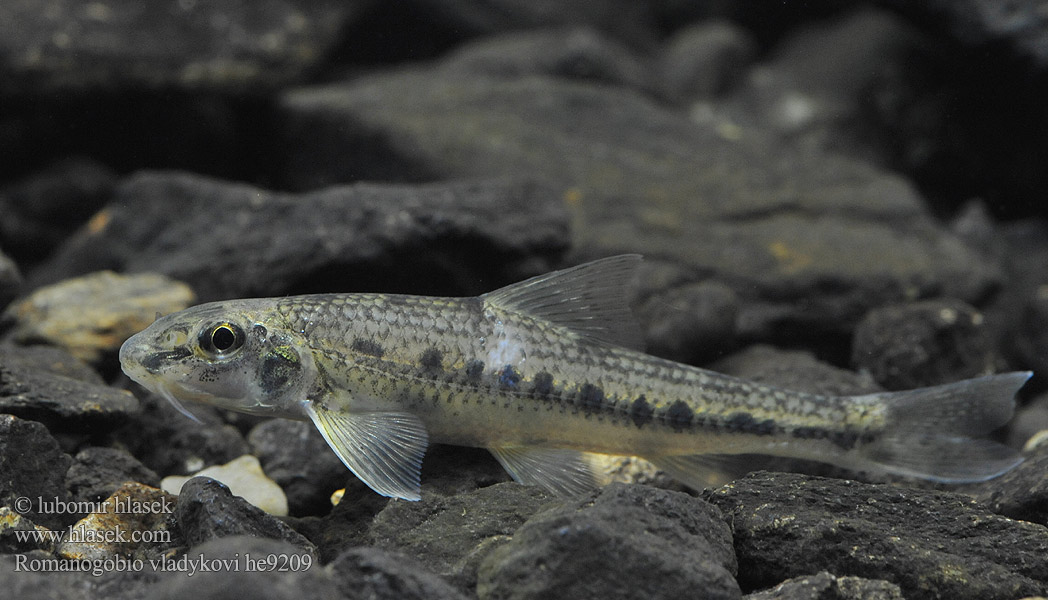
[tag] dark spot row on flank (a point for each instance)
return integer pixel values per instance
(641, 412)
(509, 378)
(679, 415)
(846, 440)
(474, 370)
(542, 384)
(369, 347)
(432, 359)
(590, 397)
(745, 423)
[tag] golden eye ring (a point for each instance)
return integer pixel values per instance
(222, 338)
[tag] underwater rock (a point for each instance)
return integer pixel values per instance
(825, 586)
(451, 535)
(440, 238)
(296, 457)
(241, 566)
(29, 389)
(32, 472)
(705, 60)
(380, 575)
(10, 279)
(906, 346)
(133, 523)
(790, 230)
(188, 445)
(90, 316)
(206, 510)
(159, 44)
(42, 209)
(97, 473)
(580, 54)
(932, 544)
(611, 544)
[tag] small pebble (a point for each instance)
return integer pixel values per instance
(244, 477)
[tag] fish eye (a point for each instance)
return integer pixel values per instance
(221, 338)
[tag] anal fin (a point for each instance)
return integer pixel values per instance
(383, 449)
(561, 471)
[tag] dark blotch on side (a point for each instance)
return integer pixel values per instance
(591, 397)
(543, 384)
(278, 367)
(744, 422)
(432, 359)
(474, 369)
(509, 378)
(368, 347)
(641, 412)
(679, 415)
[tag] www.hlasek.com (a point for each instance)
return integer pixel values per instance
(190, 565)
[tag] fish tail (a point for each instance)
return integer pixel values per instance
(933, 432)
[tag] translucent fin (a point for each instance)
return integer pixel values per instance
(931, 431)
(383, 449)
(563, 472)
(590, 299)
(700, 471)
(166, 393)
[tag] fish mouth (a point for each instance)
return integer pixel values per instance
(142, 365)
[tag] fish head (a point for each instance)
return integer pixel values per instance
(236, 355)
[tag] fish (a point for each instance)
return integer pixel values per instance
(544, 374)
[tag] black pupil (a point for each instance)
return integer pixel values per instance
(223, 338)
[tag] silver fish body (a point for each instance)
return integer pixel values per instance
(540, 373)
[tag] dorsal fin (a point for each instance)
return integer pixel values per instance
(589, 299)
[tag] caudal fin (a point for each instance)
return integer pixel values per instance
(932, 432)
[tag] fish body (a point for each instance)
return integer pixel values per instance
(541, 373)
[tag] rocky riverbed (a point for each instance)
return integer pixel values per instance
(835, 197)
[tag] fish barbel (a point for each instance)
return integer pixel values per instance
(540, 373)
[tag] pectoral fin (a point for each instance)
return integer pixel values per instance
(563, 472)
(383, 449)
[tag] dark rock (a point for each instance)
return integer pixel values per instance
(14, 538)
(43, 209)
(817, 83)
(790, 230)
(169, 443)
(56, 361)
(161, 44)
(91, 316)
(296, 457)
(31, 583)
(581, 54)
(794, 370)
(375, 574)
(438, 238)
(629, 21)
(932, 544)
(613, 543)
(451, 535)
(1021, 493)
(1020, 25)
(706, 60)
(207, 511)
(30, 390)
(247, 567)
(1030, 419)
(824, 586)
(97, 472)
(32, 472)
(906, 346)
(10, 279)
(1023, 306)
(693, 323)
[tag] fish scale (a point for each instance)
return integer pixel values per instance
(541, 373)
